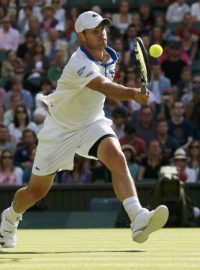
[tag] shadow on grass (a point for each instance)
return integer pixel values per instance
(12, 260)
(68, 252)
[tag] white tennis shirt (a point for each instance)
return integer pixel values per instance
(73, 105)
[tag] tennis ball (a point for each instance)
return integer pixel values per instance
(155, 50)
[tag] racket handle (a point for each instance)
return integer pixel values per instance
(143, 89)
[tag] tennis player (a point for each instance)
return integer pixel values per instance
(76, 124)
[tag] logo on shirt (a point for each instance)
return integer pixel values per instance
(81, 70)
(89, 74)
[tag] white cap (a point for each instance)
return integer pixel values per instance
(180, 154)
(89, 20)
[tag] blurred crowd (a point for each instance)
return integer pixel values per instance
(36, 40)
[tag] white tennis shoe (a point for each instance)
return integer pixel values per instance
(7, 232)
(147, 222)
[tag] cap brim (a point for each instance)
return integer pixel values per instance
(106, 21)
(89, 25)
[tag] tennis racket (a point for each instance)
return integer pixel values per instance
(142, 63)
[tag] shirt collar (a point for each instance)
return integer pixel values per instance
(113, 54)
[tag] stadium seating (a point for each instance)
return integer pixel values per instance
(105, 204)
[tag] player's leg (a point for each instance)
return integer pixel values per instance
(24, 198)
(143, 222)
(36, 189)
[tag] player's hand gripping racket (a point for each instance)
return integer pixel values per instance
(142, 62)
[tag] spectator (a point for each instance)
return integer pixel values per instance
(48, 21)
(184, 85)
(5, 139)
(167, 142)
(15, 101)
(136, 20)
(55, 70)
(59, 12)
(24, 149)
(172, 64)
(34, 27)
(179, 127)
(129, 138)
(122, 19)
(97, 9)
(193, 108)
(194, 157)
(2, 97)
(37, 67)
(112, 31)
(80, 173)
(145, 126)
(160, 84)
(27, 171)
(12, 13)
(186, 174)
(118, 47)
(3, 11)
(53, 43)
(62, 2)
(26, 48)
(23, 23)
(35, 10)
(1, 114)
(176, 11)
(187, 96)
(147, 17)
(195, 10)
(46, 89)
(131, 158)
(189, 43)
(9, 173)
(187, 23)
(100, 174)
(12, 67)
(71, 17)
(146, 39)
(129, 38)
(119, 116)
(110, 105)
(17, 88)
(9, 37)
(160, 22)
(150, 165)
(20, 123)
(156, 35)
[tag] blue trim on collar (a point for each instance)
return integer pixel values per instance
(113, 54)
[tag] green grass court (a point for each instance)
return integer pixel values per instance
(107, 249)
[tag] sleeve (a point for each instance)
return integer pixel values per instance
(84, 72)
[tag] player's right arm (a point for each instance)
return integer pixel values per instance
(117, 91)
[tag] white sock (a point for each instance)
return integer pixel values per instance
(12, 216)
(132, 207)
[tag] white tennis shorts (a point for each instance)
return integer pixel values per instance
(57, 146)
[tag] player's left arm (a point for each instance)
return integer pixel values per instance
(117, 91)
